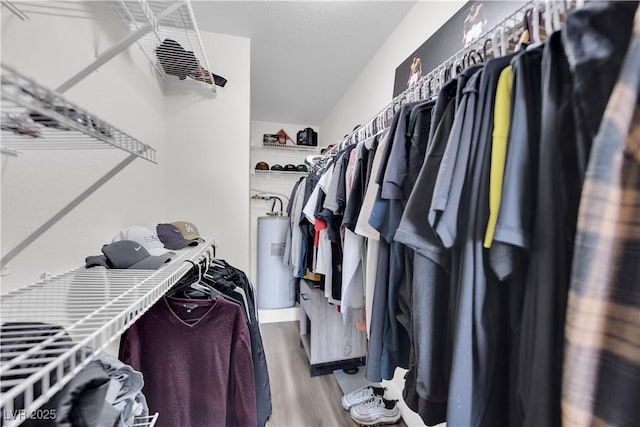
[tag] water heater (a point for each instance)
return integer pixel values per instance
(275, 282)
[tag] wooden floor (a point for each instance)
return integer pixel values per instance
(298, 399)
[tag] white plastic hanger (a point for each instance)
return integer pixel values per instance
(557, 24)
(548, 23)
(535, 25)
(497, 51)
(504, 44)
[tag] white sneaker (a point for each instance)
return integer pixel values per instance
(376, 411)
(361, 395)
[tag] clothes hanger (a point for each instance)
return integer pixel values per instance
(548, 19)
(557, 23)
(535, 25)
(486, 52)
(228, 286)
(524, 39)
(188, 284)
(447, 73)
(495, 46)
(478, 56)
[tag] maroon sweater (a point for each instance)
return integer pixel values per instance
(195, 375)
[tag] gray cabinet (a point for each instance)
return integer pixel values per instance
(329, 343)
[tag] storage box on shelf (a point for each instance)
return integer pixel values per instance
(36, 118)
(91, 306)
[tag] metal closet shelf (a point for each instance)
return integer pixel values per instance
(37, 118)
(91, 306)
(278, 173)
(149, 421)
(168, 20)
(285, 147)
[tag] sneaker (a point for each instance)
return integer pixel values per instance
(361, 395)
(377, 411)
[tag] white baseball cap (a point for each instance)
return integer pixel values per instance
(145, 237)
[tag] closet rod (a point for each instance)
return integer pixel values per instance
(382, 120)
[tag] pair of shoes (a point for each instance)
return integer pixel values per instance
(375, 412)
(361, 395)
(368, 407)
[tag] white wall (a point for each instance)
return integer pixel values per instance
(373, 89)
(207, 152)
(37, 184)
(202, 172)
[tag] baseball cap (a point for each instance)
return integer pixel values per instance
(132, 255)
(188, 229)
(172, 237)
(262, 166)
(96, 261)
(145, 237)
(290, 168)
(276, 167)
(302, 168)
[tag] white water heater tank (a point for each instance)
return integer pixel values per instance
(275, 283)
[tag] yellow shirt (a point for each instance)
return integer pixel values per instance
(501, 120)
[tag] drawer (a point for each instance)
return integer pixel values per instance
(308, 298)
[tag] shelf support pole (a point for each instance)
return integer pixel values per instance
(115, 50)
(65, 210)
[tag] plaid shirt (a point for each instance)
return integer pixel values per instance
(601, 381)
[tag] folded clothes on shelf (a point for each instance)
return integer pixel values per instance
(106, 392)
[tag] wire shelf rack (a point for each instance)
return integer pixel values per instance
(179, 25)
(149, 421)
(278, 173)
(36, 118)
(48, 326)
(286, 147)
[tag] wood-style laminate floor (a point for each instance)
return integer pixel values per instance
(297, 398)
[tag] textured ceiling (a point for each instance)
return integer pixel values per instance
(304, 54)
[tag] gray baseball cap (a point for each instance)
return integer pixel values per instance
(131, 255)
(145, 237)
(172, 237)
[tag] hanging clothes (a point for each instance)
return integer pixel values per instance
(197, 355)
(603, 316)
(426, 382)
(578, 81)
(388, 342)
(466, 232)
(365, 230)
(233, 282)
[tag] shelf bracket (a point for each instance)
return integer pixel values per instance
(65, 210)
(115, 50)
(15, 10)
(10, 152)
